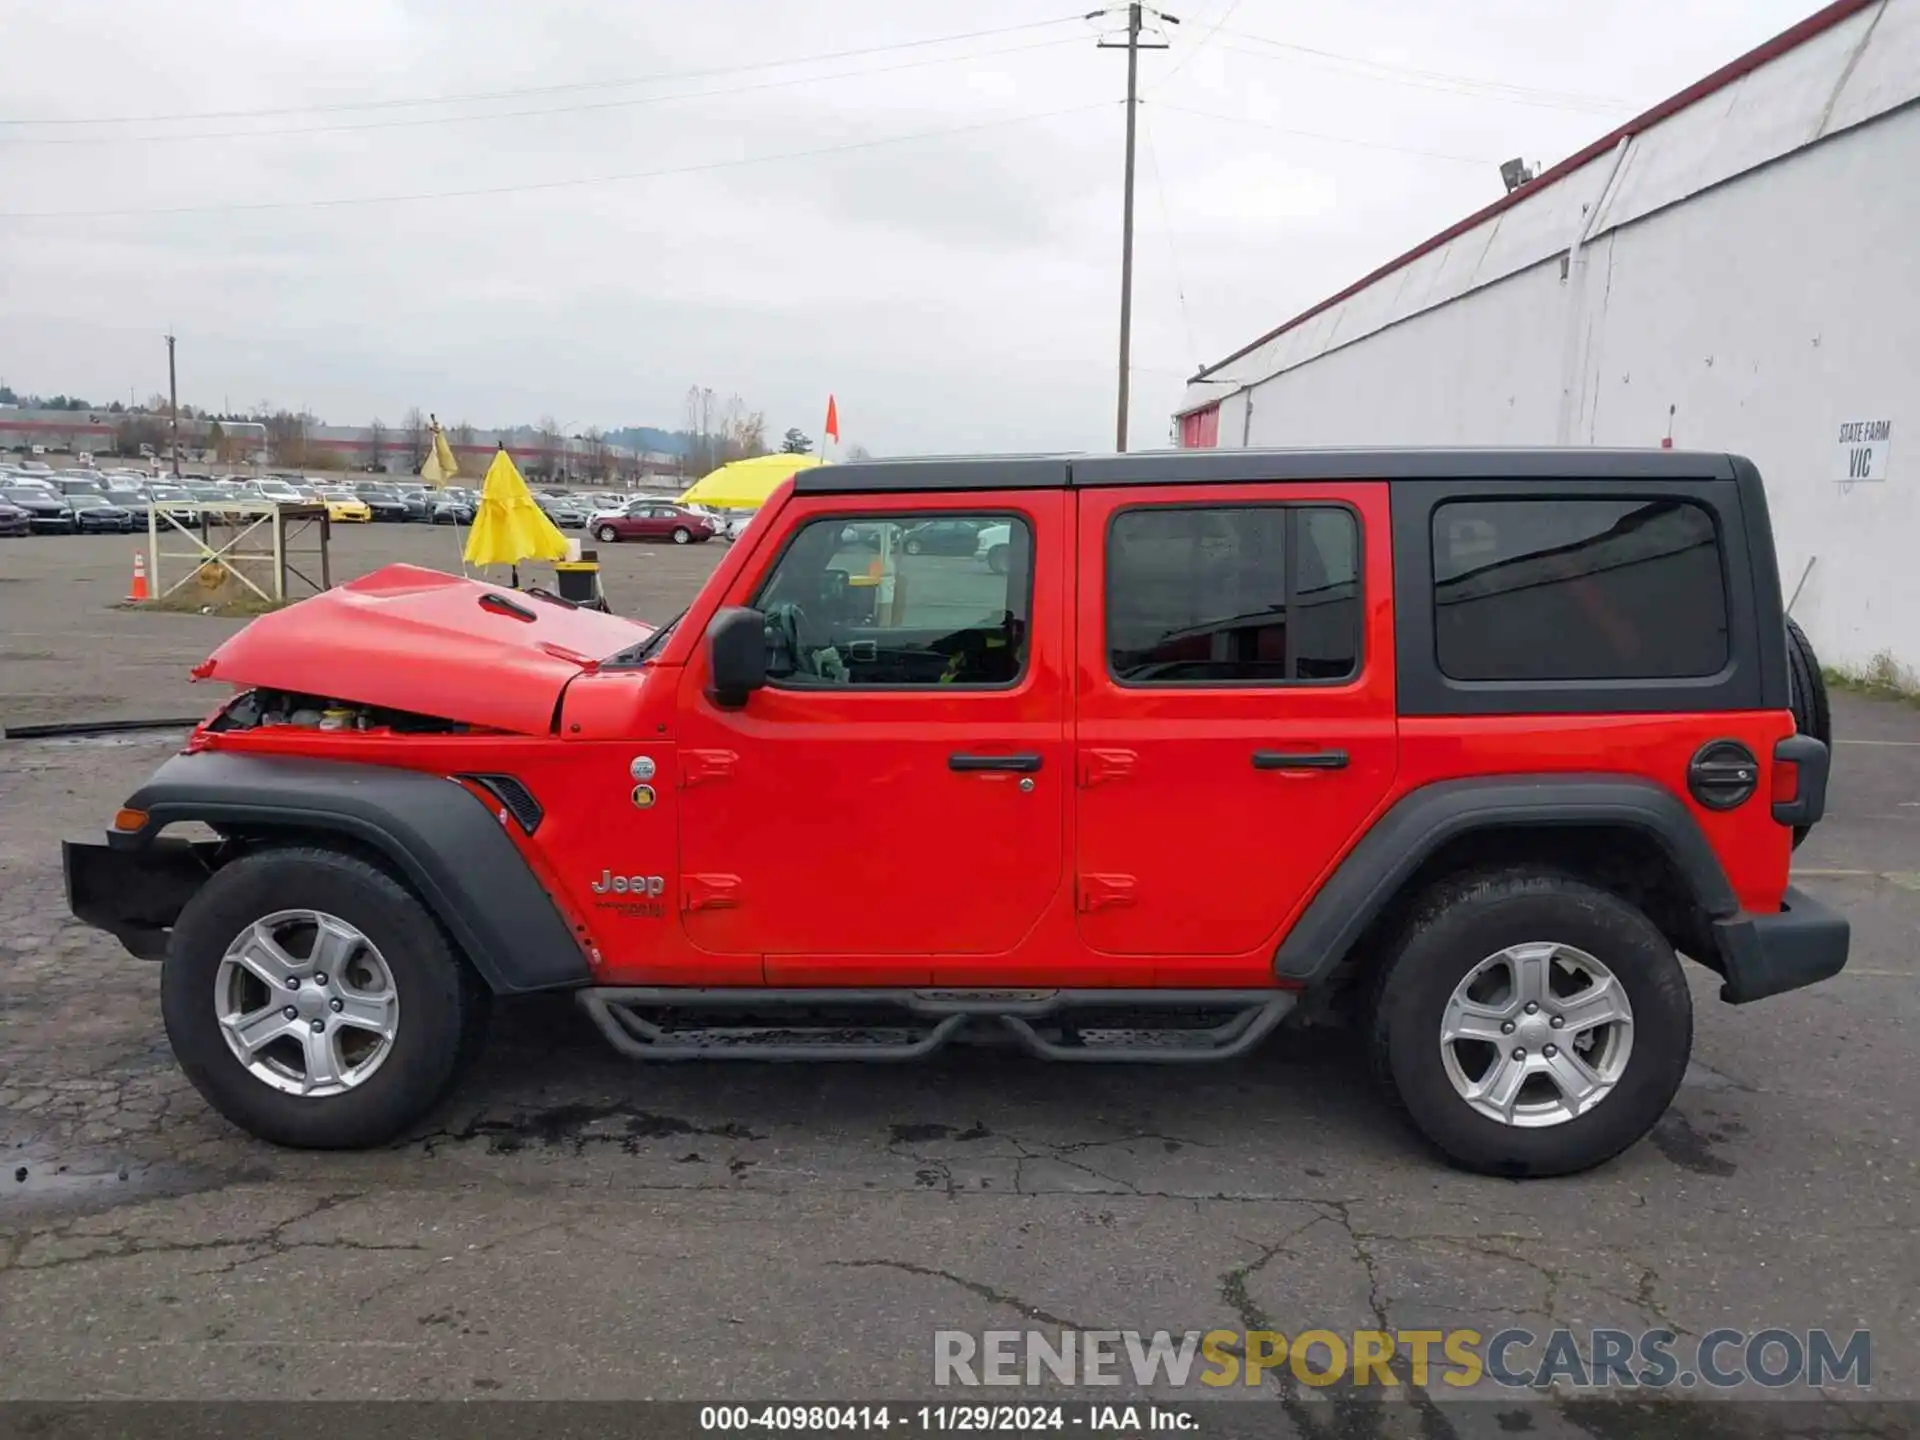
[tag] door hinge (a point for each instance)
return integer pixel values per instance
(699, 766)
(1102, 892)
(709, 892)
(1097, 765)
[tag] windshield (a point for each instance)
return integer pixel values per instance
(26, 496)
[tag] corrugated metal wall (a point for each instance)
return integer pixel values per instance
(1743, 276)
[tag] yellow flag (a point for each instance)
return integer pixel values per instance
(439, 466)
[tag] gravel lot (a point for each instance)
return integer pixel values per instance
(576, 1226)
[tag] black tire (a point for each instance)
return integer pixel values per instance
(914, 547)
(1452, 930)
(442, 1003)
(606, 535)
(681, 535)
(1807, 692)
(997, 559)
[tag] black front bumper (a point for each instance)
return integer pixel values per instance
(1762, 955)
(136, 895)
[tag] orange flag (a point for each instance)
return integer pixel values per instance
(833, 421)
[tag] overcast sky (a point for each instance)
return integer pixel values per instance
(928, 230)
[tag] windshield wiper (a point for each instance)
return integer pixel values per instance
(635, 654)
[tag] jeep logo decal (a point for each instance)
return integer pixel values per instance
(610, 883)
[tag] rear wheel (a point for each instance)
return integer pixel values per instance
(1531, 1024)
(914, 547)
(681, 535)
(1807, 691)
(605, 534)
(997, 559)
(314, 1003)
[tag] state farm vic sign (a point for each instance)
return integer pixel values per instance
(1865, 450)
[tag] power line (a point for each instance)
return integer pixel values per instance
(1195, 48)
(524, 91)
(1173, 249)
(1329, 139)
(545, 110)
(1437, 80)
(495, 190)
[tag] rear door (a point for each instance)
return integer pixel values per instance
(1235, 707)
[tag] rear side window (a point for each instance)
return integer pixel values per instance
(1247, 595)
(1578, 590)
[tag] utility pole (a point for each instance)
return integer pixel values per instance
(1133, 45)
(173, 406)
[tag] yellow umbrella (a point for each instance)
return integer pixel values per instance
(745, 484)
(508, 526)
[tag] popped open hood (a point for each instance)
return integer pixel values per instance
(408, 638)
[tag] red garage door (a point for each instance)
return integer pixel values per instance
(1200, 429)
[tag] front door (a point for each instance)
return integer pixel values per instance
(898, 790)
(1236, 707)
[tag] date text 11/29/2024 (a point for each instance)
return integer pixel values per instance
(936, 1419)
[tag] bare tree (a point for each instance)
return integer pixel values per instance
(461, 434)
(415, 426)
(743, 432)
(597, 452)
(552, 441)
(377, 444)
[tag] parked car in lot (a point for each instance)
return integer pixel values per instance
(383, 501)
(653, 520)
(345, 506)
(416, 499)
(175, 501)
(992, 546)
(46, 507)
(453, 506)
(564, 511)
(279, 491)
(942, 537)
(94, 515)
(14, 520)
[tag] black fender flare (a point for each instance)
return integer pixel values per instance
(1376, 869)
(443, 841)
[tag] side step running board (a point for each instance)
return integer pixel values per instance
(675, 1023)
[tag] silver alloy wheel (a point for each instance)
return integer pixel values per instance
(1536, 1034)
(306, 1003)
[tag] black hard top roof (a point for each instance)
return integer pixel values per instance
(1192, 467)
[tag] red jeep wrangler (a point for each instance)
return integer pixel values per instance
(1462, 745)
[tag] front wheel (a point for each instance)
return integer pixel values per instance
(606, 534)
(914, 547)
(681, 535)
(997, 559)
(1531, 1024)
(313, 1001)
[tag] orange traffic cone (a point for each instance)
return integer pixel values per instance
(137, 592)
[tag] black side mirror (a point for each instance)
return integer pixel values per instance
(737, 652)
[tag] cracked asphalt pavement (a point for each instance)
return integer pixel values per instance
(573, 1225)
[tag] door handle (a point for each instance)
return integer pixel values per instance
(1299, 759)
(1019, 764)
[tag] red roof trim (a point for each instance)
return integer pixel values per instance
(1788, 39)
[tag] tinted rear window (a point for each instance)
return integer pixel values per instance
(1578, 590)
(1238, 595)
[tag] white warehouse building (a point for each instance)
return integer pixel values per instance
(1738, 269)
